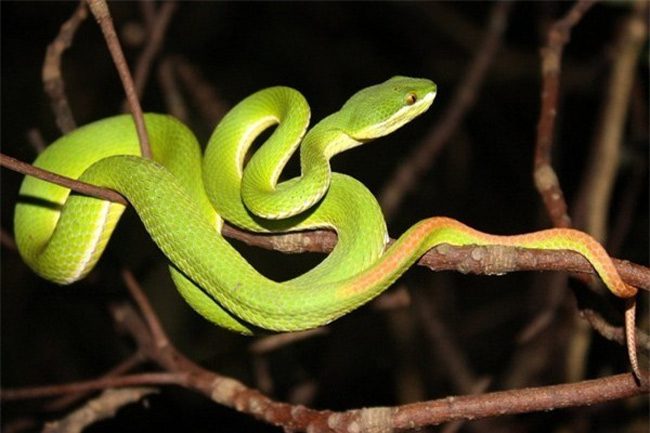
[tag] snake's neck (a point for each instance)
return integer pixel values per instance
(326, 139)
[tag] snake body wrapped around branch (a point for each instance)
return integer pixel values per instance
(182, 196)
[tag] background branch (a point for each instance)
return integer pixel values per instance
(546, 179)
(51, 74)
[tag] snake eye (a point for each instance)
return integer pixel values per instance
(410, 98)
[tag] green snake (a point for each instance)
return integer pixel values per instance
(182, 198)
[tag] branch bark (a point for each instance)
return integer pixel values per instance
(546, 180)
(99, 9)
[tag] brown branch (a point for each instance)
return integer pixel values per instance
(544, 398)
(544, 175)
(156, 36)
(406, 177)
(613, 333)
(155, 327)
(174, 100)
(148, 11)
(492, 260)
(99, 8)
(211, 106)
(234, 394)
(469, 259)
(120, 369)
(36, 140)
(176, 378)
(51, 73)
(605, 159)
(448, 353)
(595, 192)
(73, 184)
(632, 197)
(274, 342)
(103, 407)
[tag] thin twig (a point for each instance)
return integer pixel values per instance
(73, 184)
(36, 140)
(103, 407)
(592, 209)
(174, 100)
(155, 327)
(99, 8)
(632, 197)
(148, 11)
(274, 342)
(142, 379)
(406, 176)
(69, 399)
(211, 106)
(156, 36)
(51, 73)
(546, 180)
(552, 301)
(447, 350)
(613, 333)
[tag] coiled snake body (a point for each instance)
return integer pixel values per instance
(182, 197)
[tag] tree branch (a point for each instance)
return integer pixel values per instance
(232, 393)
(546, 179)
(469, 259)
(51, 73)
(99, 8)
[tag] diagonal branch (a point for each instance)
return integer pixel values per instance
(73, 184)
(99, 8)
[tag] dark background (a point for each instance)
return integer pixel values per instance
(328, 51)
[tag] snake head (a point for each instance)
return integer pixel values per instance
(381, 109)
